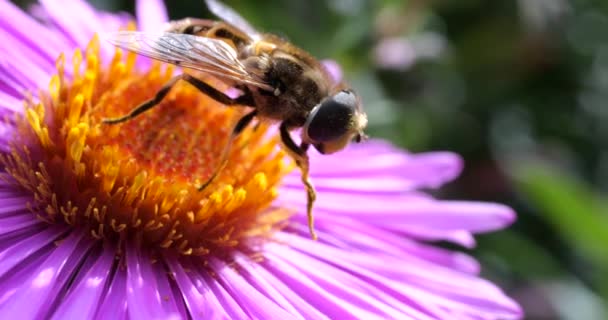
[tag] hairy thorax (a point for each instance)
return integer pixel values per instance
(299, 86)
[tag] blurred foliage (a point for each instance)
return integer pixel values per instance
(518, 88)
(572, 208)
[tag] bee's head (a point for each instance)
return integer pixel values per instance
(334, 122)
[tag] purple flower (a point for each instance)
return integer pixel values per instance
(102, 222)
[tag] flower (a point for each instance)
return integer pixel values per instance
(103, 221)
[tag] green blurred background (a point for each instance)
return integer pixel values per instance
(517, 88)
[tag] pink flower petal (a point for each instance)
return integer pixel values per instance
(151, 15)
(87, 293)
(148, 293)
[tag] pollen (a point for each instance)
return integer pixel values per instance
(137, 181)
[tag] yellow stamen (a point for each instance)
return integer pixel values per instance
(138, 180)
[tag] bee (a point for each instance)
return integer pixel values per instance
(277, 80)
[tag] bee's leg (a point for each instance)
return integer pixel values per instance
(147, 105)
(245, 99)
(298, 153)
(238, 128)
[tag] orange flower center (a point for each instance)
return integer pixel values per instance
(137, 180)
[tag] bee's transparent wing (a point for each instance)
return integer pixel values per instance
(205, 54)
(229, 15)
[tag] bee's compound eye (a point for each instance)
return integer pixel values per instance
(333, 118)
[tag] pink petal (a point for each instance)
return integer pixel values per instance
(151, 15)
